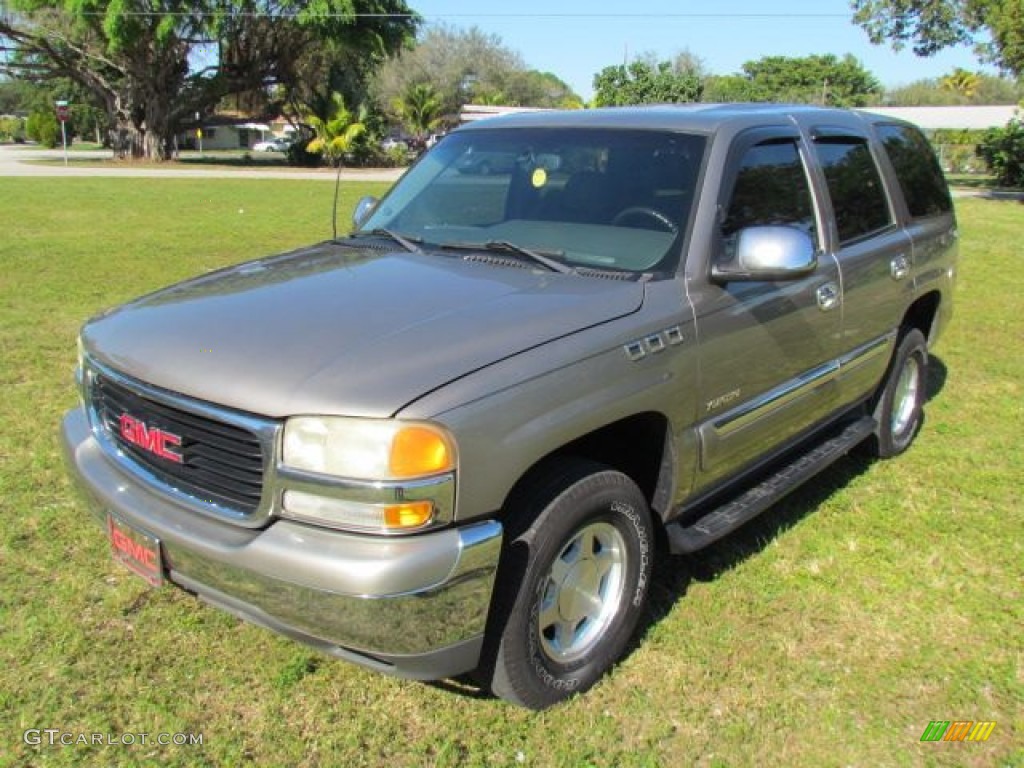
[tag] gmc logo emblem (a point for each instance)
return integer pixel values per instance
(151, 439)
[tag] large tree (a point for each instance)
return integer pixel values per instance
(462, 66)
(816, 79)
(645, 81)
(995, 27)
(154, 64)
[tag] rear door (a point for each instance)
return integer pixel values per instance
(767, 349)
(873, 252)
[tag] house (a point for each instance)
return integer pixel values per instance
(223, 133)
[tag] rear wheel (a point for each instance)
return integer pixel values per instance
(900, 402)
(572, 585)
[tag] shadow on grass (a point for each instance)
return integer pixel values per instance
(269, 161)
(673, 574)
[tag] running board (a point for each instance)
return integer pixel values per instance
(727, 518)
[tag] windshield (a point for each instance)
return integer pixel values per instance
(604, 199)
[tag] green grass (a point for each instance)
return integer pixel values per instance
(828, 633)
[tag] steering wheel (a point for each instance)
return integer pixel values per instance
(637, 211)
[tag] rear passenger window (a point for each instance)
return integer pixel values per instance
(855, 186)
(771, 188)
(917, 169)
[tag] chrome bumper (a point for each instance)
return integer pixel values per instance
(414, 606)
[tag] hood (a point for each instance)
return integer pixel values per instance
(336, 330)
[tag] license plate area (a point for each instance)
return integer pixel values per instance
(137, 550)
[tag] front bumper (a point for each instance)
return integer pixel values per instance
(413, 606)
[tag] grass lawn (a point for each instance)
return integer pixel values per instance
(828, 633)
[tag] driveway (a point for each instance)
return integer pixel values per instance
(22, 160)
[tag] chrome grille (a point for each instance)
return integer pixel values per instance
(220, 463)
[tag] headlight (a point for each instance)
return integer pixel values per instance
(400, 473)
(367, 449)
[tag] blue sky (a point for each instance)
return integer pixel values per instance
(575, 39)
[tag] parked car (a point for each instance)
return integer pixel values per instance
(392, 142)
(272, 145)
(485, 163)
(458, 439)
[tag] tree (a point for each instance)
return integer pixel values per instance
(157, 64)
(334, 134)
(43, 127)
(644, 82)
(961, 82)
(954, 89)
(995, 27)
(420, 108)
(1002, 149)
(812, 80)
(464, 66)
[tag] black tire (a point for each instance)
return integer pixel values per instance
(572, 584)
(898, 406)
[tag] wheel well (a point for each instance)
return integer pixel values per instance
(635, 446)
(921, 314)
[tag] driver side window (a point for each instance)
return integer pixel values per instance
(771, 189)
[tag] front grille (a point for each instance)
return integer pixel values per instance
(220, 463)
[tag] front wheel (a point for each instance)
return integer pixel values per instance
(572, 585)
(900, 401)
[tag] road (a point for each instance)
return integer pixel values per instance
(22, 160)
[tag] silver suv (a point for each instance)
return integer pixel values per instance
(458, 438)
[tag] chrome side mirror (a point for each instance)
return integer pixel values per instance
(768, 253)
(363, 210)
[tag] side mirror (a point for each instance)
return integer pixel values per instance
(363, 210)
(768, 253)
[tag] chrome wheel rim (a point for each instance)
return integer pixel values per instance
(905, 398)
(582, 592)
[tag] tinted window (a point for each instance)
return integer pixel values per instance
(855, 186)
(917, 170)
(771, 188)
(609, 199)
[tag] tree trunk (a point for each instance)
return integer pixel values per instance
(144, 132)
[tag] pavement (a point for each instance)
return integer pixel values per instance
(24, 160)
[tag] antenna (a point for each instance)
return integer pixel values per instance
(334, 209)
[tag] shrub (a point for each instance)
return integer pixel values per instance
(44, 128)
(299, 155)
(1002, 149)
(12, 129)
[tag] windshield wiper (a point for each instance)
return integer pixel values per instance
(542, 258)
(410, 244)
(537, 256)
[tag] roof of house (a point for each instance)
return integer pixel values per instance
(932, 118)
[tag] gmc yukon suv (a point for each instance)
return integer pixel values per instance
(456, 439)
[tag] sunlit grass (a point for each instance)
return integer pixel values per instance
(830, 632)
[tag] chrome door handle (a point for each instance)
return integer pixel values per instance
(899, 267)
(828, 297)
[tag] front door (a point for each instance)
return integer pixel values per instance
(768, 350)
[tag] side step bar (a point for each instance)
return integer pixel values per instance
(727, 518)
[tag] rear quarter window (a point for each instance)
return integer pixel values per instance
(917, 170)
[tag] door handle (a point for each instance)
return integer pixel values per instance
(899, 267)
(828, 296)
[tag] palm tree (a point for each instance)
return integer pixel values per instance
(335, 131)
(961, 82)
(420, 108)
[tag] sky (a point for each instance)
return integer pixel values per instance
(576, 39)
